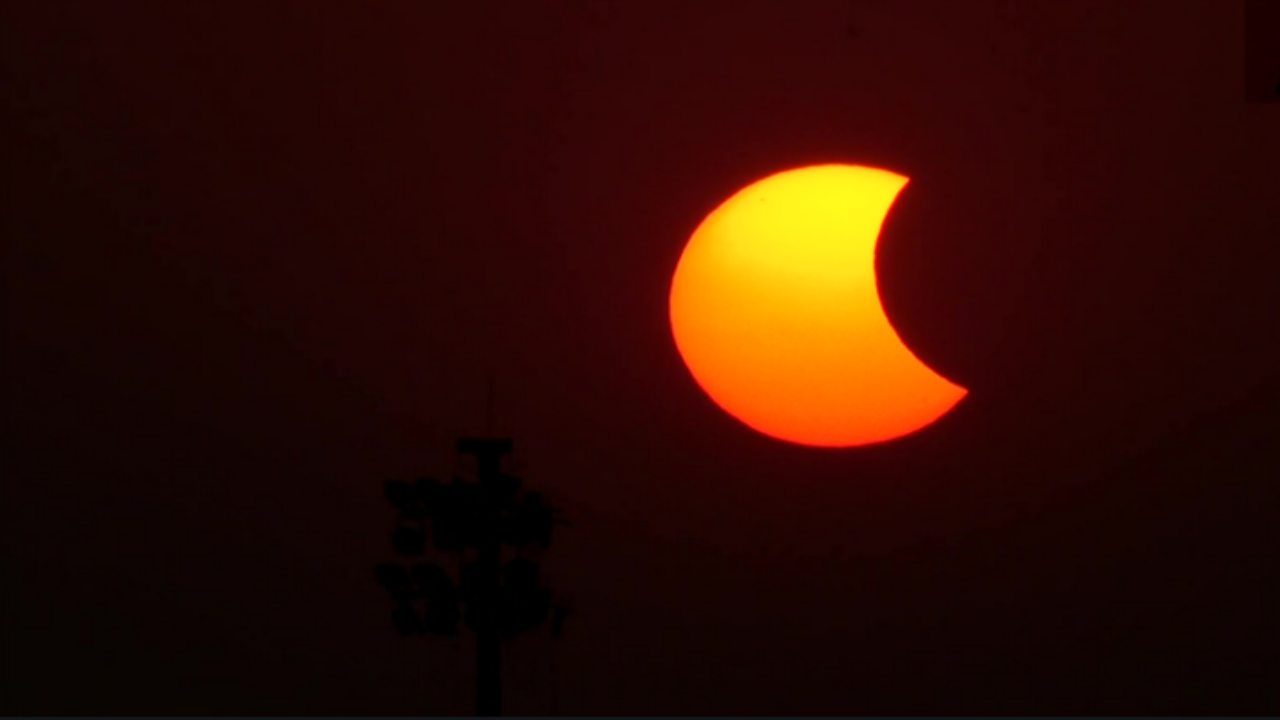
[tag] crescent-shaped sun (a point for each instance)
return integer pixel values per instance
(775, 311)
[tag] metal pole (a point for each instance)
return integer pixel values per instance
(488, 453)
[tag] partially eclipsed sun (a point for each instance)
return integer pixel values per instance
(775, 311)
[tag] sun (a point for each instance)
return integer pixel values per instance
(775, 311)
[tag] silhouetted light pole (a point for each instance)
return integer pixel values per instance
(500, 599)
(488, 454)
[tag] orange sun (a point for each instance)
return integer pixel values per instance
(775, 311)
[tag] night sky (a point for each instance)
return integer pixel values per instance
(259, 257)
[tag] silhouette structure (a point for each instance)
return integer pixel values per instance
(473, 521)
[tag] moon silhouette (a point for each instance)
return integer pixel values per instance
(775, 311)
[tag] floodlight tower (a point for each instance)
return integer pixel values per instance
(501, 599)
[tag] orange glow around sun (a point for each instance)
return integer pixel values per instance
(775, 312)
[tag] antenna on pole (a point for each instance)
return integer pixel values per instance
(489, 410)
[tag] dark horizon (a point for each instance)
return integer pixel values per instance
(261, 258)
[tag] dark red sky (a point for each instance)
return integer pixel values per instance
(257, 257)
